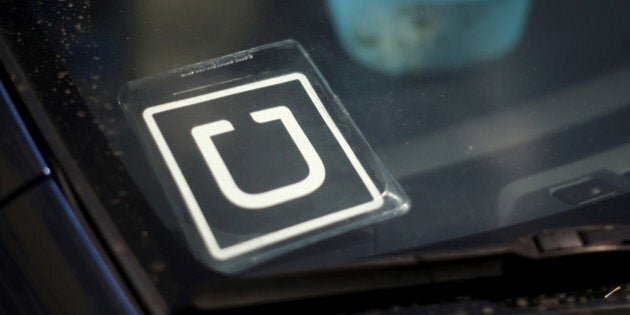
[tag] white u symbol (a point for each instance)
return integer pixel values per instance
(316, 171)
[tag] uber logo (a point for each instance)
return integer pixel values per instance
(260, 163)
(225, 180)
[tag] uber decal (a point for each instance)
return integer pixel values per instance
(259, 163)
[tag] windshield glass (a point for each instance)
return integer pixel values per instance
(488, 113)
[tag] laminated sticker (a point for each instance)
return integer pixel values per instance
(257, 156)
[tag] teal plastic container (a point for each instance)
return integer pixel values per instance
(410, 36)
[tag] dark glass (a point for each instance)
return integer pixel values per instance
(478, 146)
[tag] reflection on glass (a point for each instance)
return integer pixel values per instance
(479, 147)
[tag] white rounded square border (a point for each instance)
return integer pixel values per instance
(280, 235)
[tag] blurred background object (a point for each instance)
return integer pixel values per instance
(407, 36)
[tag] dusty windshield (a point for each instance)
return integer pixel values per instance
(487, 113)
